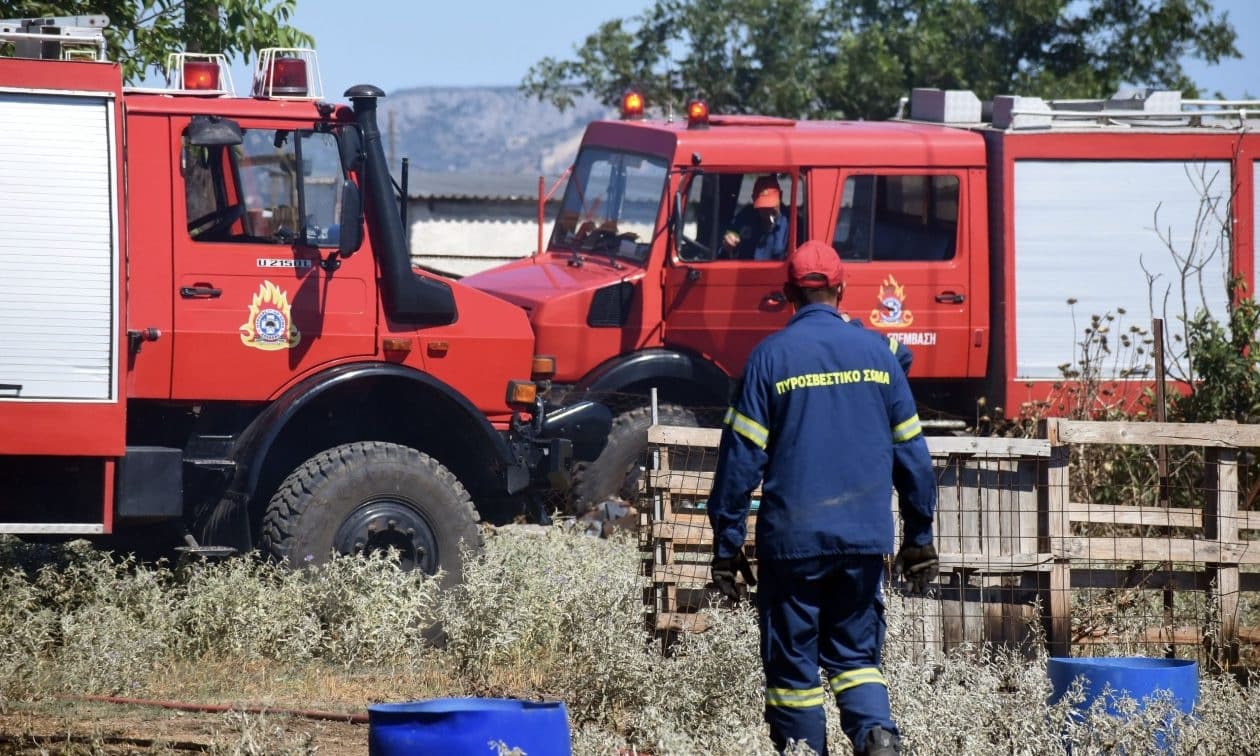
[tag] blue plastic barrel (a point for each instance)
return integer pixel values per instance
(458, 726)
(1137, 677)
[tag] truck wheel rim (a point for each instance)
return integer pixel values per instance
(380, 524)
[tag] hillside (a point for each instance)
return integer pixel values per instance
(483, 130)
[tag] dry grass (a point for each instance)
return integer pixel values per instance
(556, 615)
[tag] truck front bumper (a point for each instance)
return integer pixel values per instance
(559, 436)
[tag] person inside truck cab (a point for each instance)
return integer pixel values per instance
(758, 231)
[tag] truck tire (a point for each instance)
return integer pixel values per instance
(615, 473)
(368, 496)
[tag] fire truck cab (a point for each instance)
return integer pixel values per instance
(964, 239)
(210, 319)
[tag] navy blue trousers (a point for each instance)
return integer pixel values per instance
(823, 612)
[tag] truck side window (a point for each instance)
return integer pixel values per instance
(276, 187)
(722, 220)
(898, 218)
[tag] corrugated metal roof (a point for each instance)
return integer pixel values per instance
(425, 185)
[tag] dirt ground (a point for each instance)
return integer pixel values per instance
(73, 727)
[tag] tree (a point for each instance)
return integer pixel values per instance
(141, 34)
(856, 58)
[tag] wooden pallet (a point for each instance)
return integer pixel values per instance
(674, 531)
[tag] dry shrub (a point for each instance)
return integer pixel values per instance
(555, 606)
(373, 614)
(1228, 719)
(551, 614)
(987, 700)
(26, 632)
(246, 734)
(93, 623)
(557, 614)
(243, 607)
(347, 611)
(115, 622)
(707, 696)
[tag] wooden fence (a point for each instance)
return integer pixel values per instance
(1014, 546)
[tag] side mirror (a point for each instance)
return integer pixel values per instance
(214, 131)
(351, 220)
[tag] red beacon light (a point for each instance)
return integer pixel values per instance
(288, 73)
(631, 106)
(287, 77)
(199, 73)
(697, 114)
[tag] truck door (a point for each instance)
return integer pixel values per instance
(724, 283)
(254, 306)
(906, 270)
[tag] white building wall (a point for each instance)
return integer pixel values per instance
(465, 236)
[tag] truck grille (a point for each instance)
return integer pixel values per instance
(610, 306)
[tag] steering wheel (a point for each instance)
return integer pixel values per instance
(690, 250)
(602, 239)
(219, 220)
(596, 239)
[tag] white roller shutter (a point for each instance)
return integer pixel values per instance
(58, 315)
(1085, 230)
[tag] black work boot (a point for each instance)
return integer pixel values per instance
(880, 742)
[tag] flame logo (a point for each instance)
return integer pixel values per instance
(891, 312)
(270, 325)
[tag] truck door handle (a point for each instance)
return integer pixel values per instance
(14, 389)
(200, 291)
(776, 298)
(949, 297)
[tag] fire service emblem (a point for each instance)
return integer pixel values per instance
(892, 312)
(270, 325)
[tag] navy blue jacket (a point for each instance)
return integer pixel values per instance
(825, 420)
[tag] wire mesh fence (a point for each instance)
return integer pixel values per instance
(1096, 539)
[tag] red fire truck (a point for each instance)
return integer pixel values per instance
(983, 241)
(209, 318)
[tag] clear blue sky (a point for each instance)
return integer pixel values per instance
(1234, 78)
(396, 45)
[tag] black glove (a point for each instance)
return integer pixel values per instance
(723, 570)
(917, 564)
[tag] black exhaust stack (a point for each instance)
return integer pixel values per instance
(409, 297)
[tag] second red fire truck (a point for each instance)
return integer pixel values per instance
(981, 236)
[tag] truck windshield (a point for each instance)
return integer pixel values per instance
(611, 204)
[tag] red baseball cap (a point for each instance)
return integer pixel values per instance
(815, 265)
(766, 192)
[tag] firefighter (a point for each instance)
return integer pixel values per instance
(759, 231)
(824, 419)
